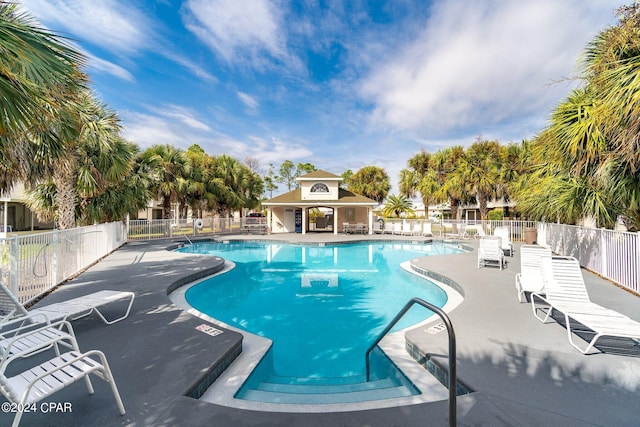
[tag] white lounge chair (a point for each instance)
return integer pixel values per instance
(462, 231)
(490, 250)
(71, 309)
(566, 292)
(406, 228)
(505, 235)
(479, 232)
(530, 277)
(388, 227)
(426, 229)
(397, 228)
(416, 228)
(30, 335)
(39, 382)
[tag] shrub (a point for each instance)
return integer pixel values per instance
(495, 215)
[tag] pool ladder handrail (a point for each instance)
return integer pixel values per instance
(452, 349)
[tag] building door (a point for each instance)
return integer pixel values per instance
(298, 220)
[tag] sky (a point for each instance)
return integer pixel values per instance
(339, 84)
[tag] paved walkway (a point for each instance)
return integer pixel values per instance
(523, 372)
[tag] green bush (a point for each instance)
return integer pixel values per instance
(495, 215)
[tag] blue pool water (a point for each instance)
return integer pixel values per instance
(322, 306)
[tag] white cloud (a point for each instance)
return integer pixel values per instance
(103, 66)
(246, 31)
(108, 23)
(479, 63)
(250, 102)
(179, 127)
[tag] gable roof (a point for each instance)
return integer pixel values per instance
(319, 174)
(345, 197)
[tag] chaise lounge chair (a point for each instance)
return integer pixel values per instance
(426, 229)
(505, 235)
(479, 232)
(34, 384)
(567, 293)
(530, 277)
(490, 250)
(72, 309)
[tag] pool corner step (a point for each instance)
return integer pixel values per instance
(327, 397)
(298, 391)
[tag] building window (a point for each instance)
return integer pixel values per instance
(319, 188)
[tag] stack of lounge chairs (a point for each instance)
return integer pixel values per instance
(26, 333)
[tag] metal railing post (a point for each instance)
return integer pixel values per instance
(452, 349)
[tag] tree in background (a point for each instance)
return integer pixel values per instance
(346, 178)
(372, 182)
(289, 172)
(170, 166)
(270, 180)
(420, 177)
(586, 161)
(396, 205)
(450, 185)
(93, 157)
(480, 169)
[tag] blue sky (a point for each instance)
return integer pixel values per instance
(340, 84)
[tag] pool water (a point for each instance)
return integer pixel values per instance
(322, 306)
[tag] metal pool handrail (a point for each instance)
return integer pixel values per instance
(452, 349)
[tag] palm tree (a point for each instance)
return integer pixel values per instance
(451, 187)
(397, 205)
(589, 152)
(372, 182)
(169, 169)
(408, 182)
(480, 169)
(37, 71)
(93, 155)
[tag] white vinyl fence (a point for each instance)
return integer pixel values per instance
(142, 229)
(612, 254)
(33, 264)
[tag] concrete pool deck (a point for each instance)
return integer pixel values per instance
(523, 372)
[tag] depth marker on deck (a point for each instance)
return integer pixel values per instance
(209, 330)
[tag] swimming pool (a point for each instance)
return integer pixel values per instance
(321, 305)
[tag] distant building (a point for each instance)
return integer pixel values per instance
(319, 191)
(15, 215)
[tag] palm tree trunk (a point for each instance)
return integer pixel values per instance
(66, 198)
(482, 204)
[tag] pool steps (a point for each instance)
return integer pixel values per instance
(325, 394)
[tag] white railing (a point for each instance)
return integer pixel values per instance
(142, 229)
(470, 228)
(33, 264)
(612, 254)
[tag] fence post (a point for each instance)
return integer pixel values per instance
(603, 250)
(14, 249)
(637, 266)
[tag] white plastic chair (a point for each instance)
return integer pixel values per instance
(426, 229)
(530, 277)
(490, 250)
(37, 383)
(505, 235)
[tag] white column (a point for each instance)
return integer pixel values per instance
(304, 220)
(370, 211)
(335, 220)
